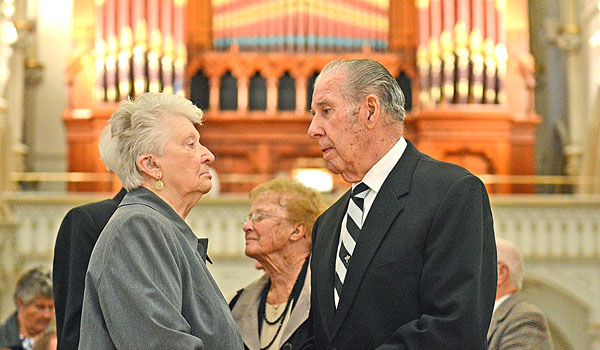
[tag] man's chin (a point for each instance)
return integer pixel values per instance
(333, 168)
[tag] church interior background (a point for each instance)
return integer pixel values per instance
(509, 89)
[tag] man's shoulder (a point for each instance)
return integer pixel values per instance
(524, 307)
(9, 331)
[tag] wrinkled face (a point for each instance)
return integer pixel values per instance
(267, 230)
(35, 316)
(336, 128)
(184, 163)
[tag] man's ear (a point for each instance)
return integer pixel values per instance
(148, 164)
(503, 273)
(20, 303)
(373, 107)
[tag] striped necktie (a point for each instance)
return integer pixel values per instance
(349, 236)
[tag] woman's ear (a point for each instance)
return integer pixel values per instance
(299, 231)
(148, 165)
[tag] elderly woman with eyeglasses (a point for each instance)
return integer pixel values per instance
(272, 312)
(147, 285)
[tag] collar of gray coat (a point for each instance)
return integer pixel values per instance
(143, 196)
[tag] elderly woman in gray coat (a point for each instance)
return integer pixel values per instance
(147, 285)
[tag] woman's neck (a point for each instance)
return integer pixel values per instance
(283, 273)
(181, 206)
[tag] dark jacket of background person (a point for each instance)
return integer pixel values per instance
(148, 271)
(75, 241)
(246, 310)
(423, 274)
(9, 334)
(517, 324)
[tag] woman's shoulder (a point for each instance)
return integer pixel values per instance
(250, 291)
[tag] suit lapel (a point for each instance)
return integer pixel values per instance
(387, 206)
(328, 238)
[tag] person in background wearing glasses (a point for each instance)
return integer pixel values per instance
(272, 312)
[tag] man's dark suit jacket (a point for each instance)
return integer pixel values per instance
(423, 273)
(76, 238)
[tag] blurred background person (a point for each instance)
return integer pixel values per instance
(516, 324)
(75, 241)
(35, 310)
(272, 312)
(147, 284)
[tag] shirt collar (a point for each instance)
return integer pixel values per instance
(498, 302)
(375, 177)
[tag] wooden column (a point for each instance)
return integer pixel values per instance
(243, 83)
(215, 83)
(301, 83)
(272, 84)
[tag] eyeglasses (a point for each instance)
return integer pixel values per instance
(259, 216)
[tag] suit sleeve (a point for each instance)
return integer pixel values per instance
(457, 285)
(74, 244)
(526, 331)
(140, 288)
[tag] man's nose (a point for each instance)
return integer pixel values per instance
(314, 129)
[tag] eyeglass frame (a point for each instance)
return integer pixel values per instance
(260, 215)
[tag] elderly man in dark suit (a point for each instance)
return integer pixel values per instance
(407, 258)
(516, 324)
(75, 241)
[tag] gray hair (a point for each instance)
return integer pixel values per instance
(367, 76)
(104, 147)
(138, 128)
(510, 255)
(34, 283)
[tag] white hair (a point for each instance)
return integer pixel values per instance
(367, 76)
(510, 255)
(138, 128)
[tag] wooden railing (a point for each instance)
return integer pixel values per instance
(547, 228)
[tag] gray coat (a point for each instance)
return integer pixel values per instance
(147, 285)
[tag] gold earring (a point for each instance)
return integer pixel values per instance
(159, 185)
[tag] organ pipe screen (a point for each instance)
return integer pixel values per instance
(139, 47)
(461, 54)
(301, 25)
